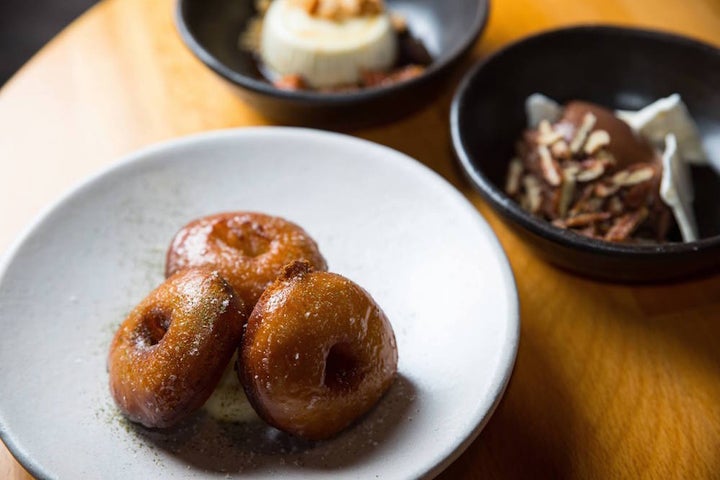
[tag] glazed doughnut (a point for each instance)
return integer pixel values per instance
(248, 249)
(170, 352)
(317, 353)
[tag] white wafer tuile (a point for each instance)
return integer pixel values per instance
(538, 107)
(664, 116)
(676, 189)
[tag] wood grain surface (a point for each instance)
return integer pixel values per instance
(611, 381)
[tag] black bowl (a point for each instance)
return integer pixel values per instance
(615, 67)
(448, 29)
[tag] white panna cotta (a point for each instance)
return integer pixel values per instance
(325, 53)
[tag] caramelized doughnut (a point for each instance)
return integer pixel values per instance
(170, 352)
(317, 353)
(248, 249)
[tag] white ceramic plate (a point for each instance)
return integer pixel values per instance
(380, 218)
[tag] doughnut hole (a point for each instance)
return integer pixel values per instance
(155, 324)
(342, 368)
(247, 237)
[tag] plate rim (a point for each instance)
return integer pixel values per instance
(508, 352)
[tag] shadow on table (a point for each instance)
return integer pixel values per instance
(678, 321)
(542, 429)
(521, 440)
(671, 333)
(206, 444)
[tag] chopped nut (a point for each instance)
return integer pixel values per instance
(310, 6)
(591, 170)
(374, 78)
(594, 205)
(589, 231)
(338, 10)
(262, 6)
(615, 206)
(328, 10)
(567, 191)
(564, 173)
(533, 191)
(639, 176)
(582, 203)
(548, 166)
(620, 177)
(607, 158)
(515, 170)
(373, 7)
(597, 140)
(561, 150)
(604, 190)
(547, 136)
(290, 82)
(571, 169)
(624, 226)
(626, 178)
(587, 125)
(586, 219)
(591, 205)
(524, 200)
(398, 22)
(250, 39)
(545, 127)
(353, 8)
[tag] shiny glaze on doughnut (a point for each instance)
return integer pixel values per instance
(170, 352)
(318, 352)
(248, 249)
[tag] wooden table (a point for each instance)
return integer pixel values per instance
(611, 381)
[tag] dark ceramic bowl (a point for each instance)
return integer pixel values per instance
(448, 29)
(615, 67)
